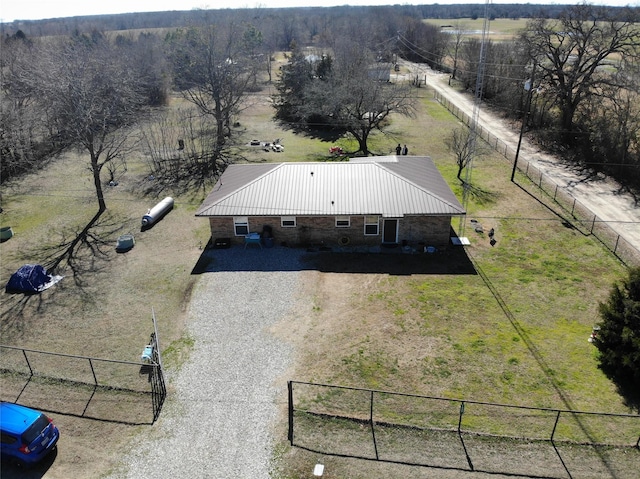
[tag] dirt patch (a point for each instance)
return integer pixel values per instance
(101, 308)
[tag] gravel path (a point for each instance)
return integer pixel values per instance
(218, 419)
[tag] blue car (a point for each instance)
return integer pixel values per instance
(27, 435)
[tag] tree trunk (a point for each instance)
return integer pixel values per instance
(362, 145)
(567, 124)
(95, 169)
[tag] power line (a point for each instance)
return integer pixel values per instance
(476, 114)
(590, 221)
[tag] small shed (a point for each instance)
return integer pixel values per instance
(380, 72)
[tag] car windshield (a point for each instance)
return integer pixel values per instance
(35, 429)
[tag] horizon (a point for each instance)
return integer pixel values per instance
(33, 10)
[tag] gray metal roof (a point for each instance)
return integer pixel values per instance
(387, 186)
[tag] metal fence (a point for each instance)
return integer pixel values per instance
(458, 434)
(579, 215)
(105, 389)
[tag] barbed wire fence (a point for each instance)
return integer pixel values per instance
(580, 216)
(460, 434)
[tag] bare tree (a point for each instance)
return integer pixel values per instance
(25, 137)
(613, 123)
(458, 37)
(463, 143)
(361, 107)
(93, 98)
(172, 160)
(570, 53)
(214, 70)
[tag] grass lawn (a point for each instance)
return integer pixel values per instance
(515, 333)
(438, 334)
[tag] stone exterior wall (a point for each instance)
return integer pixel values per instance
(322, 230)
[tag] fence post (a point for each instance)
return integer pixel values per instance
(555, 192)
(373, 432)
(573, 207)
(464, 446)
(615, 248)
(593, 223)
(290, 395)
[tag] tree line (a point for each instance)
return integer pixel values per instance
(575, 83)
(307, 17)
(573, 79)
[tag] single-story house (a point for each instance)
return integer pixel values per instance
(368, 201)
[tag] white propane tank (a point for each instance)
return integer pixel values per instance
(157, 212)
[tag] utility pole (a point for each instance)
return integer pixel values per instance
(524, 119)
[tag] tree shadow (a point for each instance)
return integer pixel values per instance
(544, 366)
(481, 195)
(628, 389)
(328, 135)
(83, 252)
(78, 253)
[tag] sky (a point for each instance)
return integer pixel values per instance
(11, 10)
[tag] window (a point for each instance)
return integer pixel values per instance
(371, 227)
(343, 221)
(38, 426)
(241, 225)
(288, 221)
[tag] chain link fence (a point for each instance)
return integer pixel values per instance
(457, 434)
(577, 214)
(105, 389)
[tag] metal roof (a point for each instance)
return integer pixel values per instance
(387, 186)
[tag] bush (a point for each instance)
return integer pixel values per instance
(618, 340)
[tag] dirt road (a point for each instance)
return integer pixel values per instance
(602, 195)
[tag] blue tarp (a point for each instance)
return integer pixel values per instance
(30, 278)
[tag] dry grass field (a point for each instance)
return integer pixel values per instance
(436, 331)
(500, 29)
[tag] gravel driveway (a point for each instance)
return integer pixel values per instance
(217, 421)
(222, 405)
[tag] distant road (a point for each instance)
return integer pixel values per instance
(602, 195)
